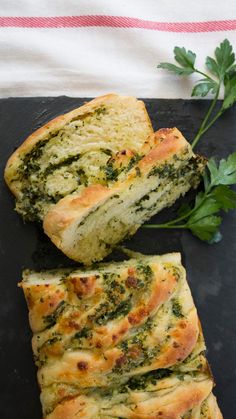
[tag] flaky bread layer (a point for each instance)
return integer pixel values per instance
(87, 226)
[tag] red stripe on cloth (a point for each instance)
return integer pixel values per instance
(115, 22)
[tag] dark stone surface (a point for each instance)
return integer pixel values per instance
(211, 269)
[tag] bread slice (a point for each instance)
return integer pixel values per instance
(94, 175)
(121, 340)
(72, 151)
(86, 226)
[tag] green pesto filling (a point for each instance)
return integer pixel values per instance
(177, 308)
(122, 309)
(51, 319)
(141, 382)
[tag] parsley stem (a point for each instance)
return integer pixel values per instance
(213, 120)
(164, 226)
(203, 74)
(203, 127)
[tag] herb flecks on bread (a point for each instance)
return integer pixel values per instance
(94, 175)
(76, 150)
(121, 340)
(88, 225)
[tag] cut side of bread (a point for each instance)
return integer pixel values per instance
(86, 226)
(95, 174)
(121, 340)
(76, 150)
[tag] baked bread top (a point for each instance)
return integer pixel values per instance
(110, 341)
(76, 150)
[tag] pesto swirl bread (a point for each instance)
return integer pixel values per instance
(121, 340)
(94, 175)
(86, 226)
(74, 150)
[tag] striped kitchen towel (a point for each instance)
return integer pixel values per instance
(86, 48)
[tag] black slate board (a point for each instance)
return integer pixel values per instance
(211, 269)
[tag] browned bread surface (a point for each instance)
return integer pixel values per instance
(121, 340)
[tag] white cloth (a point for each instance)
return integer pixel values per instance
(89, 56)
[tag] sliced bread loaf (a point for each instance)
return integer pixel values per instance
(72, 151)
(94, 175)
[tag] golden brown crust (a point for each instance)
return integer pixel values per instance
(173, 406)
(121, 341)
(79, 407)
(184, 338)
(168, 141)
(42, 300)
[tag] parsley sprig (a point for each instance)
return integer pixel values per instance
(203, 217)
(222, 75)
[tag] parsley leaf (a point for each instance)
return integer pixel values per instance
(185, 71)
(208, 206)
(225, 197)
(230, 91)
(204, 87)
(184, 209)
(212, 66)
(185, 58)
(224, 58)
(222, 69)
(225, 174)
(205, 228)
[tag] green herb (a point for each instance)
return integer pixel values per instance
(135, 159)
(163, 171)
(106, 151)
(84, 333)
(51, 319)
(142, 381)
(114, 291)
(176, 308)
(202, 217)
(66, 162)
(110, 172)
(145, 270)
(100, 111)
(51, 341)
(122, 309)
(222, 70)
(29, 163)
